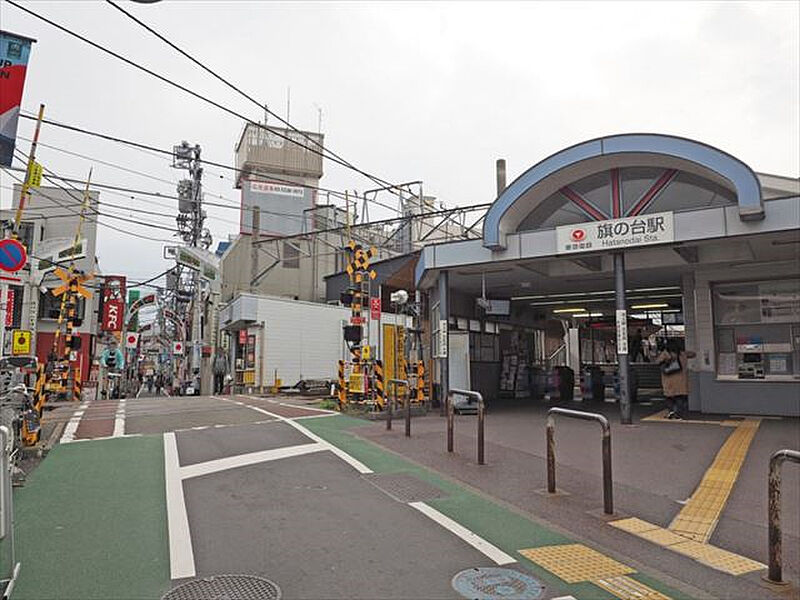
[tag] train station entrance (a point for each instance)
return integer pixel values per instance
(598, 256)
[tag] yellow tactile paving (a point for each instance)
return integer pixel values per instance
(627, 588)
(698, 518)
(633, 525)
(576, 563)
(688, 544)
(717, 558)
(662, 537)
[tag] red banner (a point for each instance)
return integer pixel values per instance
(113, 303)
(10, 308)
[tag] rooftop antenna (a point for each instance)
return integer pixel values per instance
(266, 114)
(288, 101)
(319, 117)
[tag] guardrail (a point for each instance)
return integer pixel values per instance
(608, 493)
(451, 419)
(7, 510)
(393, 400)
(775, 573)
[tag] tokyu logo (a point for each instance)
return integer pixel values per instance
(578, 235)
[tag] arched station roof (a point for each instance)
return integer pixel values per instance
(673, 155)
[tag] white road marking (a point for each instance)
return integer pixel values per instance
(473, 539)
(181, 555)
(119, 419)
(353, 462)
(311, 417)
(72, 426)
(243, 460)
(314, 408)
(105, 437)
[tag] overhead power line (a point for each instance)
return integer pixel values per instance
(145, 147)
(238, 90)
(390, 187)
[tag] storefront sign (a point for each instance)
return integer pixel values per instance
(655, 228)
(243, 337)
(622, 331)
(113, 303)
(263, 187)
(9, 308)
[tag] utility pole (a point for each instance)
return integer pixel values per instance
(191, 219)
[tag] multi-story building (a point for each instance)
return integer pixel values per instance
(47, 230)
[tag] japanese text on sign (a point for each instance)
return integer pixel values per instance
(656, 228)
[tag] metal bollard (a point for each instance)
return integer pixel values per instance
(451, 420)
(608, 491)
(775, 573)
(392, 402)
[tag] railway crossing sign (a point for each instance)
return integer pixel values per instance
(67, 279)
(13, 255)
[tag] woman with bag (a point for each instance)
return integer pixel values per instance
(675, 378)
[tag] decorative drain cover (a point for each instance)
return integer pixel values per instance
(494, 583)
(225, 587)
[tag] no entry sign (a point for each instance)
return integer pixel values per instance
(12, 255)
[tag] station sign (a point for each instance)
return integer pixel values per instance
(622, 331)
(614, 234)
(441, 346)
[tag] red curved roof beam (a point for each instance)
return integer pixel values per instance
(583, 204)
(651, 194)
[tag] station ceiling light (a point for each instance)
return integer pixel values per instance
(569, 310)
(646, 306)
(584, 315)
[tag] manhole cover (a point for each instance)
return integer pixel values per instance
(225, 587)
(494, 583)
(404, 487)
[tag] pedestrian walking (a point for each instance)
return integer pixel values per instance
(675, 378)
(220, 370)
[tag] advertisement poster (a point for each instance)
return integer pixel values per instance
(14, 53)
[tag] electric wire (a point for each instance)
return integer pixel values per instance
(243, 94)
(197, 95)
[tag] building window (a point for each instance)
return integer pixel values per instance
(291, 256)
(757, 329)
(50, 306)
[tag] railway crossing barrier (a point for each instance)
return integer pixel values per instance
(608, 493)
(451, 419)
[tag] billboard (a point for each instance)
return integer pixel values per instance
(282, 207)
(14, 53)
(113, 303)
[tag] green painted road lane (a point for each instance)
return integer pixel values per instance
(506, 528)
(91, 522)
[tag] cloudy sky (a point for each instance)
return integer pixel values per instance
(432, 91)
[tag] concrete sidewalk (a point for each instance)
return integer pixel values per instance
(656, 468)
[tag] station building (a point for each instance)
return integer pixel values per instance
(710, 252)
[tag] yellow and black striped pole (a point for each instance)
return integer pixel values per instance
(341, 389)
(420, 381)
(380, 394)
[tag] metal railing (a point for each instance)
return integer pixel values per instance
(7, 511)
(775, 573)
(392, 401)
(608, 493)
(451, 419)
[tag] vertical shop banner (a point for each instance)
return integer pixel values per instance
(133, 323)
(14, 53)
(113, 303)
(9, 308)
